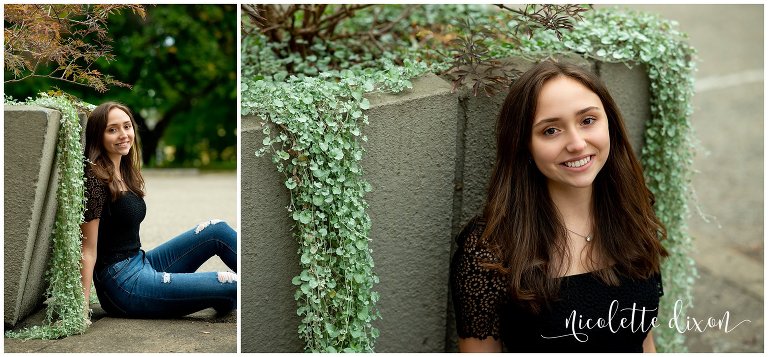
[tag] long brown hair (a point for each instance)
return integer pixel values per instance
(523, 226)
(96, 154)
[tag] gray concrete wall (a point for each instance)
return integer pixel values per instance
(428, 160)
(630, 89)
(269, 261)
(409, 163)
(30, 206)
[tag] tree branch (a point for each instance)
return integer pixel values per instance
(102, 90)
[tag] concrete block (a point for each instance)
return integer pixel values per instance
(630, 90)
(30, 205)
(269, 261)
(410, 163)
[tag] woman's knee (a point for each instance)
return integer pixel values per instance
(226, 277)
(215, 226)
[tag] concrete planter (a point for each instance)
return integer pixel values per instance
(30, 205)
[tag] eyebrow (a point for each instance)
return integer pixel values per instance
(579, 112)
(113, 124)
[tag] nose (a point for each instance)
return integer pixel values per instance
(576, 142)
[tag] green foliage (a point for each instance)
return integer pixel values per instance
(65, 313)
(312, 114)
(412, 32)
(313, 129)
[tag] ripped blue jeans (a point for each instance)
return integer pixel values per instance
(162, 282)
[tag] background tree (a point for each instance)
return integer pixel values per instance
(59, 42)
(181, 63)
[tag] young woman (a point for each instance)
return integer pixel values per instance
(565, 257)
(162, 282)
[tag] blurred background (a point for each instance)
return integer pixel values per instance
(726, 219)
(181, 63)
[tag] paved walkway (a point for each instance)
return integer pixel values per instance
(176, 201)
(728, 120)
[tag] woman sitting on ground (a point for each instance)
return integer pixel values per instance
(160, 283)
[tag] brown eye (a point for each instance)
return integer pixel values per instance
(550, 131)
(588, 120)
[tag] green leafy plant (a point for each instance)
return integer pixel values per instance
(312, 113)
(313, 129)
(469, 53)
(556, 18)
(66, 301)
(472, 64)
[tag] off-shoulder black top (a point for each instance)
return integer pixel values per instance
(119, 220)
(588, 316)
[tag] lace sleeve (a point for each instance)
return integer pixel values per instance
(94, 195)
(478, 293)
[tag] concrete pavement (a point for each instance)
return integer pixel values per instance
(177, 200)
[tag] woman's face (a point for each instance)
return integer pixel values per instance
(118, 135)
(569, 141)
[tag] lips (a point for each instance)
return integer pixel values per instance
(123, 144)
(578, 162)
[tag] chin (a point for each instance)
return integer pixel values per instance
(579, 184)
(586, 185)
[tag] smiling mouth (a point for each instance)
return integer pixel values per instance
(578, 163)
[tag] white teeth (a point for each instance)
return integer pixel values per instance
(579, 163)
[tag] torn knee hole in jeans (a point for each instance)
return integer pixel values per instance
(227, 277)
(166, 278)
(202, 225)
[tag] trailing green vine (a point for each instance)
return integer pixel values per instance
(311, 127)
(65, 305)
(312, 124)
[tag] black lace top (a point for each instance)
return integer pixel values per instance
(119, 220)
(587, 317)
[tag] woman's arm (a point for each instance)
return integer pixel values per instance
(648, 345)
(488, 344)
(90, 231)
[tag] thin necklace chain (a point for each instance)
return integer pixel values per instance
(588, 237)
